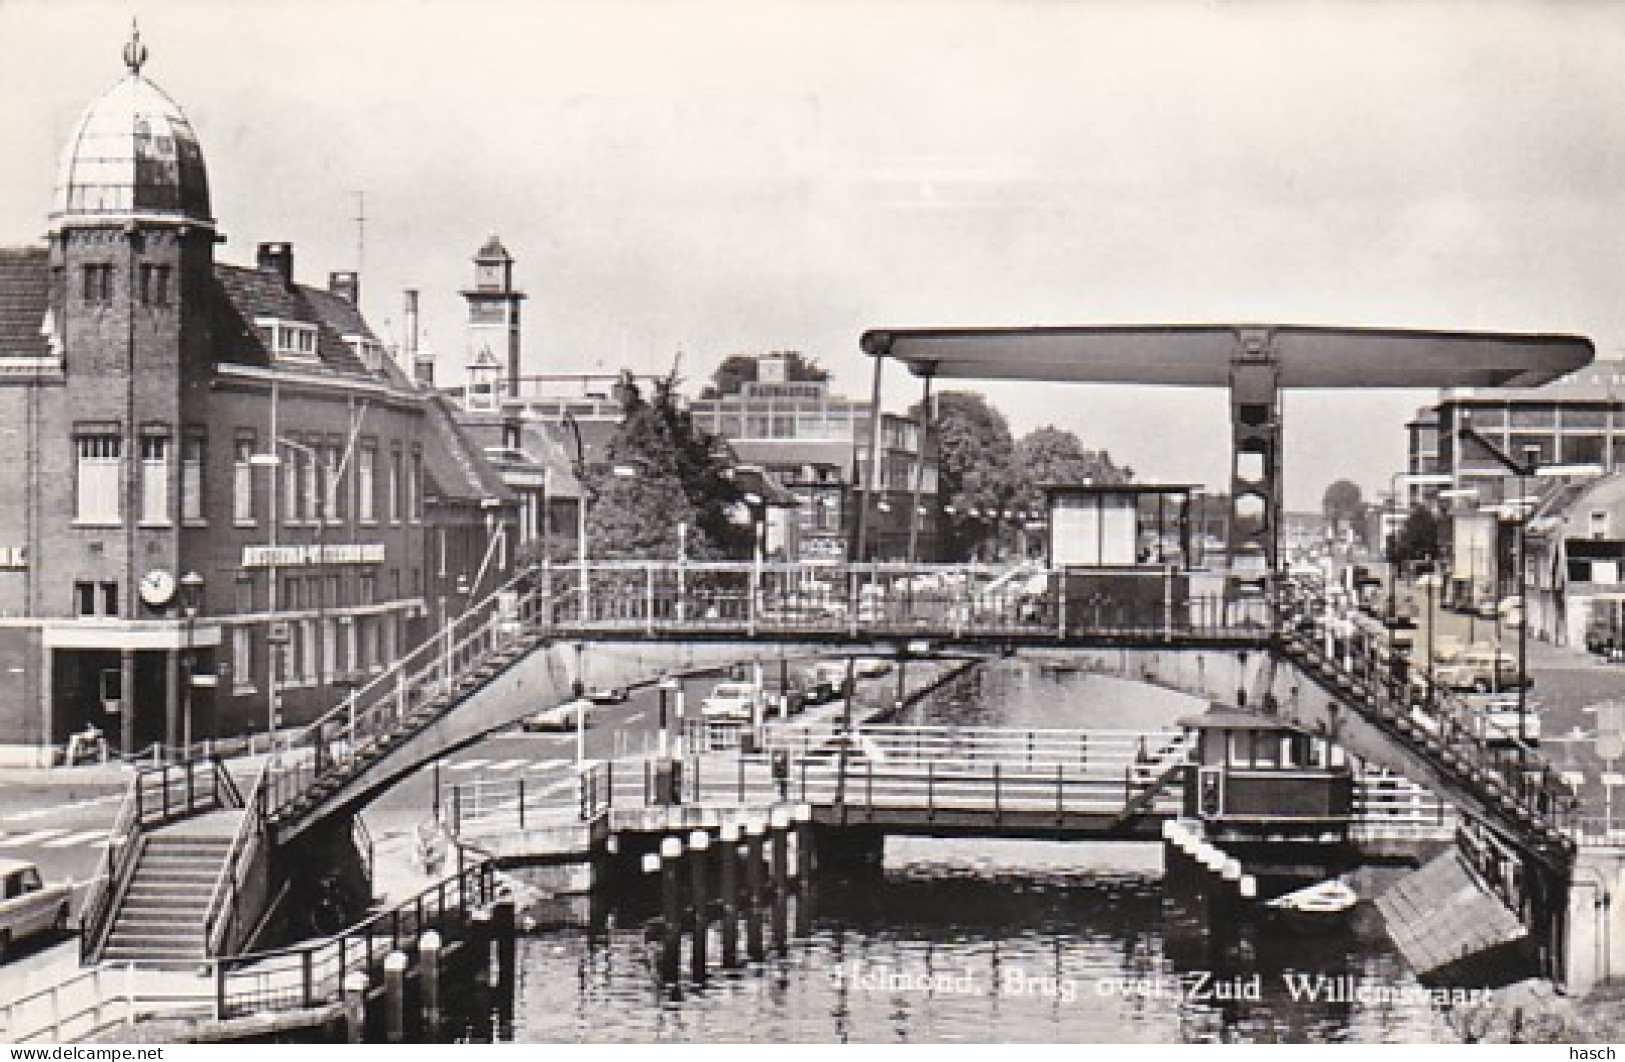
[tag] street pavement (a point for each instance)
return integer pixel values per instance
(1568, 685)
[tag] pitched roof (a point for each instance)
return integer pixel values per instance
(25, 281)
(538, 453)
(456, 471)
(242, 294)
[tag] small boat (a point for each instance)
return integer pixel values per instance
(1328, 904)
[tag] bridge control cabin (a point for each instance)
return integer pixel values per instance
(1255, 778)
(1126, 551)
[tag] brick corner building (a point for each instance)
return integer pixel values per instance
(226, 504)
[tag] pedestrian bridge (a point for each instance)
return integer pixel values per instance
(432, 699)
(942, 781)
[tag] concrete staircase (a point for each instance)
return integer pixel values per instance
(161, 914)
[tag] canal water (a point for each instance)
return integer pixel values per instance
(1011, 941)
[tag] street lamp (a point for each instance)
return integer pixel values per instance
(755, 503)
(191, 600)
(579, 470)
(1530, 467)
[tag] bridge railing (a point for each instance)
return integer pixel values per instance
(357, 730)
(220, 926)
(92, 1001)
(821, 777)
(890, 743)
(157, 795)
(312, 973)
(888, 599)
(1387, 805)
(1522, 787)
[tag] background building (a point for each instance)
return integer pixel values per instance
(816, 444)
(226, 502)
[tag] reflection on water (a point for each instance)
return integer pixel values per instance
(1015, 941)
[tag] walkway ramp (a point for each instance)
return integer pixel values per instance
(1452, 929)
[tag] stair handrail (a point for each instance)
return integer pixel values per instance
(122, 844)
(222, 911)
(1376, 695)
(361, 946)
(351, 723)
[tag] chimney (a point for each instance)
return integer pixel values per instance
(422, 367)
(277, 258)
(346, 285)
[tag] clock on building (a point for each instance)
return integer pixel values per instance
(157, 588)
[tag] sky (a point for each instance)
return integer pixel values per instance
(679, 181)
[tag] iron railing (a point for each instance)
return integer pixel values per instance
(311, 974)
(157, 795)
(225, 904)
(1513, 781)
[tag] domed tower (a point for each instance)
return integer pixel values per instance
(131, 253)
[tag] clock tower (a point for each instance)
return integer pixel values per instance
(493, 311)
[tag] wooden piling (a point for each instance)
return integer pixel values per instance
(754, 944)
(671, 853)
(429, 979)
(781, 876)
(355, 1007)
(395, 997)
(479, 960)
(728, 889)
(502, 926)
(699, 843)
(801, 816)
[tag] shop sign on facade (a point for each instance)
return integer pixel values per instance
(299, 556)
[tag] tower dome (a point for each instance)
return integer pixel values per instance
(132, 156)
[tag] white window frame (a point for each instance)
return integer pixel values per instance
(242, 483)
(193, 452)
(242, 660)
(99, 480)
(331, 484)
(291, 495)
(397, 466)
(366, 505)
(290, 340)
(308, 636)
(311, 496)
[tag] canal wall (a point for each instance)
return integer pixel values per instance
(1595, 952)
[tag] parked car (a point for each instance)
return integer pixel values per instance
(1605, 626)
(827, 681)
(733, 702)
(1481, 670)
(1495, 719)
(606, 694)
(29, 907)
(562, 717)
(872, 667)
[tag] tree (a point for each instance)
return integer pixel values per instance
(975, 452)
(1054, 455)
(1417, 539)
(737, 370)
(1343, 506)
(664, 472)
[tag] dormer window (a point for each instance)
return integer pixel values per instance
(292, 340)
(369, 353)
